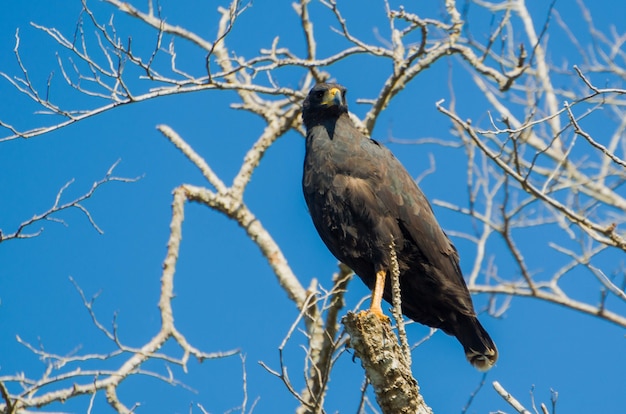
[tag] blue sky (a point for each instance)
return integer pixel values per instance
(227, 296)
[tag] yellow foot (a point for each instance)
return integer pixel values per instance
(377, 312)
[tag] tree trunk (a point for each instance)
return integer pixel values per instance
(377, 347)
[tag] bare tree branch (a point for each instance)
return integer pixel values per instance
(384, 362)
(57, 207)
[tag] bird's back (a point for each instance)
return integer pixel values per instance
(360, 196)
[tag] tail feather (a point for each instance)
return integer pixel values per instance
(480, 350)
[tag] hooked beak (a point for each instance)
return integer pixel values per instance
(333, 97)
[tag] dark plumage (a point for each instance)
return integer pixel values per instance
(361, 199)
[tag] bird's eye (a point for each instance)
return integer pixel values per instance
(319, 94)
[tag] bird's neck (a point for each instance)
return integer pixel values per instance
(324, 116)
(330, 126)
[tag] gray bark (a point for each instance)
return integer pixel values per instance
(375, 344)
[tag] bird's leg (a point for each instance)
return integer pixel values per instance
(377, 296)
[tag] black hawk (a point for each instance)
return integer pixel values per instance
(361, 199)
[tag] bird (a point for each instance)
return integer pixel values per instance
(362, 201)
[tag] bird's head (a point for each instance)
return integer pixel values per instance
(325, 100)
